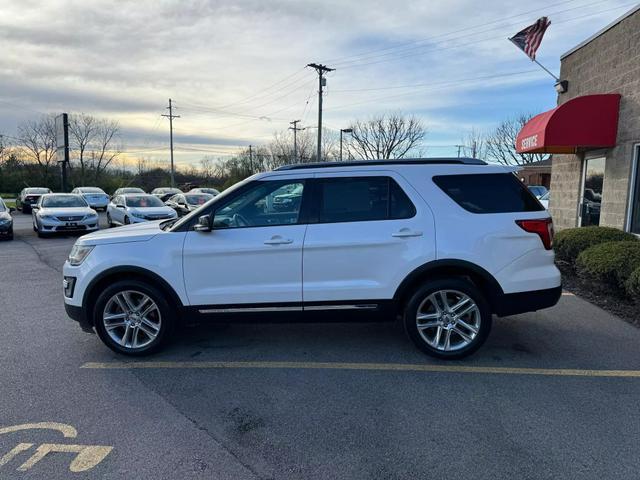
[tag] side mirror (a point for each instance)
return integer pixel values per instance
(12, 209)
(35, 208)
(120, 206)
(204, 224)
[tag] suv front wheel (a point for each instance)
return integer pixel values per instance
(448, 318)
(133, 318)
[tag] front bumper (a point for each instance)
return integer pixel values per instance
(97, 203)
(53, 225)
(514, 303)
(78, 314)
(6, 228)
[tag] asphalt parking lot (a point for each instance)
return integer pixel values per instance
(552, 394)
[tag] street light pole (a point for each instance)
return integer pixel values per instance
(343, 130)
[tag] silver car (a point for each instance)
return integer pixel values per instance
(137, 208)
(63, 212)
(95, 197)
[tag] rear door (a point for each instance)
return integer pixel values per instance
(370, 230)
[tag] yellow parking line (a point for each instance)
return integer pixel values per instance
(397, 367)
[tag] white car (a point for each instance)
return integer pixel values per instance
(63, 212)
(211, 191)
(442, 243)
(544, 200)
(95, 197)
(126, 190)
(137, 208)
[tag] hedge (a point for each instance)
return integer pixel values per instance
(609, 263)
(569, 243)
(632, 285)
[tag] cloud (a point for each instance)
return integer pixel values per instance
(125, 59)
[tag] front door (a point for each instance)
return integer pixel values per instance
(254, 253)
(591, 199)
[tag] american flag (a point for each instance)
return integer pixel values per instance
(528, 40)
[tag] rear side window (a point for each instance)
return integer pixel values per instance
(360, 199)
(488, 193)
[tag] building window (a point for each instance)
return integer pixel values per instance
(591, 200)
(634, 223)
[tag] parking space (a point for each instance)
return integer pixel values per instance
(552, 394)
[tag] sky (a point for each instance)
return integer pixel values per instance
(235, 70)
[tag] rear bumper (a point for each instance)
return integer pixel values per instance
(521, 302)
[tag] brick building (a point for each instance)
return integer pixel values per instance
(594, 133)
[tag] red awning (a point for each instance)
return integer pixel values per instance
(586, 122)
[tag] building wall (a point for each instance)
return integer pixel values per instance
(609, 63)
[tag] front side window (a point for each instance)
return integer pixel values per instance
(268, 203)
(360, 199)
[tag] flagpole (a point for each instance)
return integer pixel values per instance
(534, 60)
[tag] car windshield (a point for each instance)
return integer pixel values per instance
(37, 190)
(142, 201)
(198, 198)
(91, 190)
(63, 201)
(131, 190)
(545, 196)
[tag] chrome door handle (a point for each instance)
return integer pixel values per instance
(405, 232)
(278, 240)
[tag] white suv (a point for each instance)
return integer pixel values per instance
(440, 243)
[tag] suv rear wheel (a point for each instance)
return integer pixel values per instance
(448, 318)
(133, 318)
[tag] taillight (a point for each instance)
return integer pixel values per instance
(542, 226)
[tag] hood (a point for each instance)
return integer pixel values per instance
(137, 232)
(65, 211)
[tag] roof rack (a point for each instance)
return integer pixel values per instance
(402, 161)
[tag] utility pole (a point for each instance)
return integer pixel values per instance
(251, 159)
(474, 149)
(295, 138)
(321, 69)
(171, 116)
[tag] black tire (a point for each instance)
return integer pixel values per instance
(167, 323)
(127, 221)
(109, 224)
(450, 284)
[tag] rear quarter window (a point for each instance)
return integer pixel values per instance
(488, 193)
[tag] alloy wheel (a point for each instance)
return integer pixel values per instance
(132, 319)
(448, 320)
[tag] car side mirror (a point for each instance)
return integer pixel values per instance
(120, 206)
(35, 208)
(12, 209)
(204, 224)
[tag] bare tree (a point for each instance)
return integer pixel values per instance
(475, 144)
(500, 144)
(92, 143)
(386, 136)
(82, 130)
(38, 137)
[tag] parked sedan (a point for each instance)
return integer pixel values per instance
(6, 221)
(63, 212)
(164, 193)
(134, 208)
(95, 197)
(29, 197)
(538, 190)
(184, 203)
(211, 191)
(544, 200)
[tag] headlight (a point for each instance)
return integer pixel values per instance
(4, 221)
(79, 253)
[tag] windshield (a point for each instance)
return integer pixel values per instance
(545, 196)
(143, 201)
(63, 201)
(131, 190)
(91, 190)
(38, 190)
(198, 198)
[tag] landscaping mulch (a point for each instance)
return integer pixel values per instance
(613, 301)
